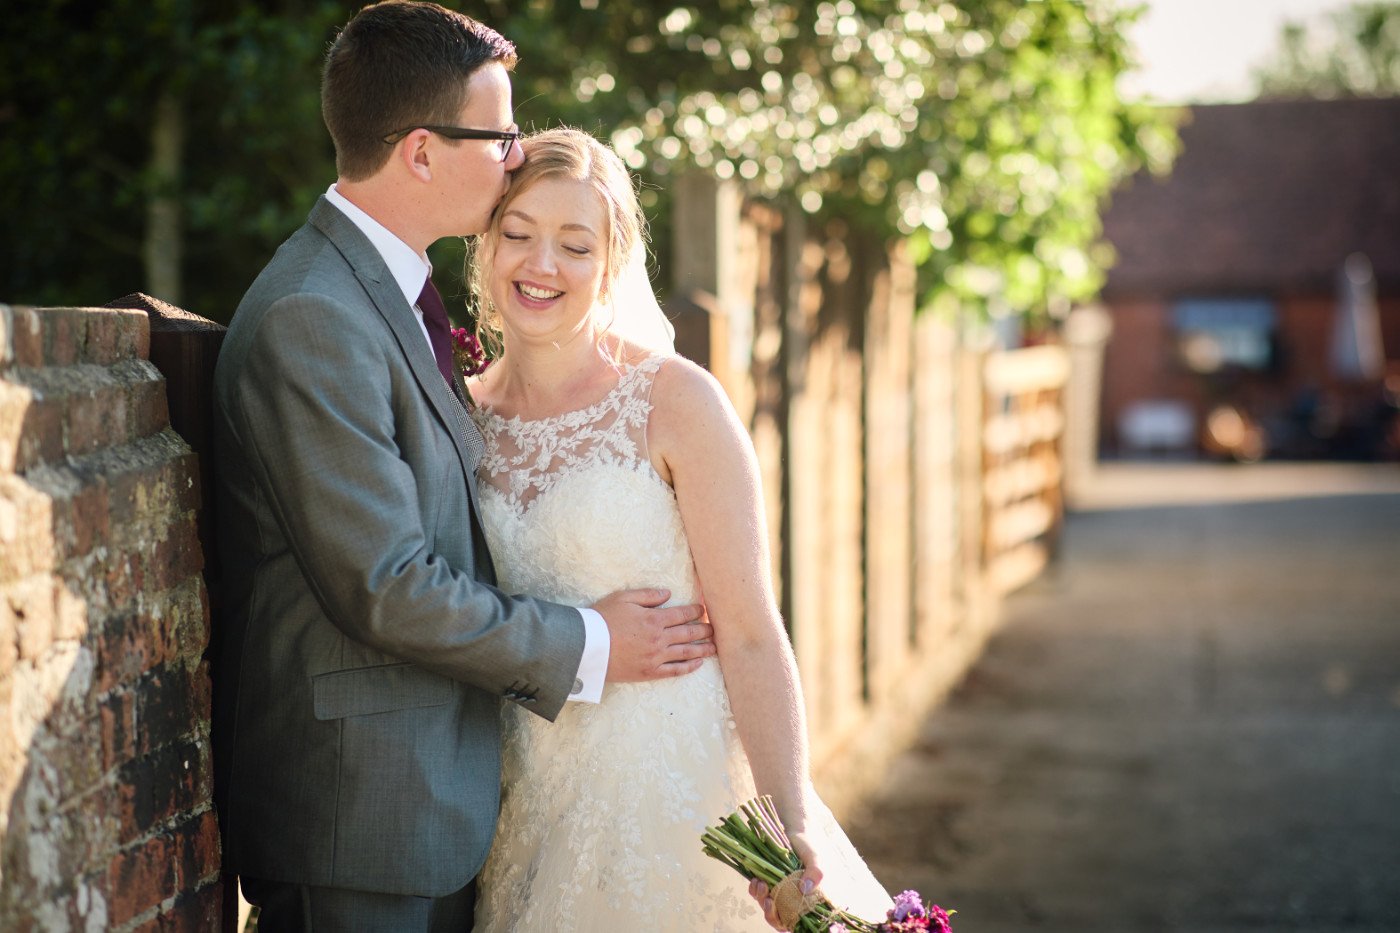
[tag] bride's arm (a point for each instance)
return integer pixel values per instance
(699, 445)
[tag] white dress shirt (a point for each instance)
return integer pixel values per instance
(410, 270)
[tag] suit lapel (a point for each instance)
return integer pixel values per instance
(388, 300)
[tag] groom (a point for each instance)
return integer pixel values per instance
(366, 650)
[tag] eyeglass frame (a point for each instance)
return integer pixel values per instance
(459, 132)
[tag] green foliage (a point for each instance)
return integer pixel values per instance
(1357, 54)
(76, 110)
(986, 131)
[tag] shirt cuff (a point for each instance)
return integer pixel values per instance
(593, 666)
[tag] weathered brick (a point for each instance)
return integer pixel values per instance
(199, 848)
(124, 580)
(175, 557)
(31, 426)
(128, 646)
(135, 642)
(159, 785)
(91, 418)
(141, 877)
(9, 641)
(70, 619)
(14, 405)
(166, 706)
(30, 606)
(137, 482)
(62, 327)
(87, 908)
(185, 615)
(114, 334)
(99, 502)
(117, 728)
(26, 530)
(189, 494)
(196, 911)
(81, 518)
(147, 408)
(26, 337)
(7, 326)
(76, 760)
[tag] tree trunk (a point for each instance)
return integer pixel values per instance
(163, 246)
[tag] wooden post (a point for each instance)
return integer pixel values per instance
(705, 280)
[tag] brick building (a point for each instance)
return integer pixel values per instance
(1229, 284)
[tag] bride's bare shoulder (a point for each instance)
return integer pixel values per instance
(688, 404)
(683, 384)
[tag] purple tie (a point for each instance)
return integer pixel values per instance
(439, 330)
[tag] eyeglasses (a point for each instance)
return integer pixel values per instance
(506, 138)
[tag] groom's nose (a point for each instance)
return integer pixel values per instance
(516, 157)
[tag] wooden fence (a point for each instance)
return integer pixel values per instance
(910, 479)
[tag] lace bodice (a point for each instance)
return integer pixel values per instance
(526, 458)
(573, 508)
(602, 810)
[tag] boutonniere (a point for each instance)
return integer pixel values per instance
(467, 354)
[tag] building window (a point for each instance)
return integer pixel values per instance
(1225, 333)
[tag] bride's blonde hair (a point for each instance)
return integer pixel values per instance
(567, 153)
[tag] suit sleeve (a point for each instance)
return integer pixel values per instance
(315, 411)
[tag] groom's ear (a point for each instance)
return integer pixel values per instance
(412, 153)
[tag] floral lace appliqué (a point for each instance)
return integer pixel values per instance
(526, 458)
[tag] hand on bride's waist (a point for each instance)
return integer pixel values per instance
(650, 641)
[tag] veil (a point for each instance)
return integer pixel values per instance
(636, 315)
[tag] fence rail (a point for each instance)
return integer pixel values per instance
(1022, 461)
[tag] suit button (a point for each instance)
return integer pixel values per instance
(578, 687)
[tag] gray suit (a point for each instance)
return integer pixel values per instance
(365, 653)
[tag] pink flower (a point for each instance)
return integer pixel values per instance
(467, 352)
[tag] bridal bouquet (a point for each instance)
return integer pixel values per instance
(751, 841)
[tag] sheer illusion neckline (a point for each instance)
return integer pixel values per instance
(576, 416)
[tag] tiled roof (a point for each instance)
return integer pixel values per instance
(1266, 195)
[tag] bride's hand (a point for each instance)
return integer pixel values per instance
(811, 878)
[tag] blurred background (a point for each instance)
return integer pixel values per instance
(1220, 177)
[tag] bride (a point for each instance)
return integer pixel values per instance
(612, 463)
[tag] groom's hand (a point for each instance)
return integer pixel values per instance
(648, 643)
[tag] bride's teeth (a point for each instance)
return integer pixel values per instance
(539, 294)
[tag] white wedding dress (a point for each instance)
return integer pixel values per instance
(602, 810)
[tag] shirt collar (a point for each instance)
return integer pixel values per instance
(409, 269)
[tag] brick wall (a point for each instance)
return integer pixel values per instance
(106, 820)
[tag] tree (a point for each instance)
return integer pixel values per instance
(164, 146)
(1356, 54)
(985, 131)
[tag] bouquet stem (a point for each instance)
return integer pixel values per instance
(752, 842)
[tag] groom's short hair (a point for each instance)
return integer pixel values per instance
(399, 64)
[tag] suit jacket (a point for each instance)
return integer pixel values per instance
(365, 653)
